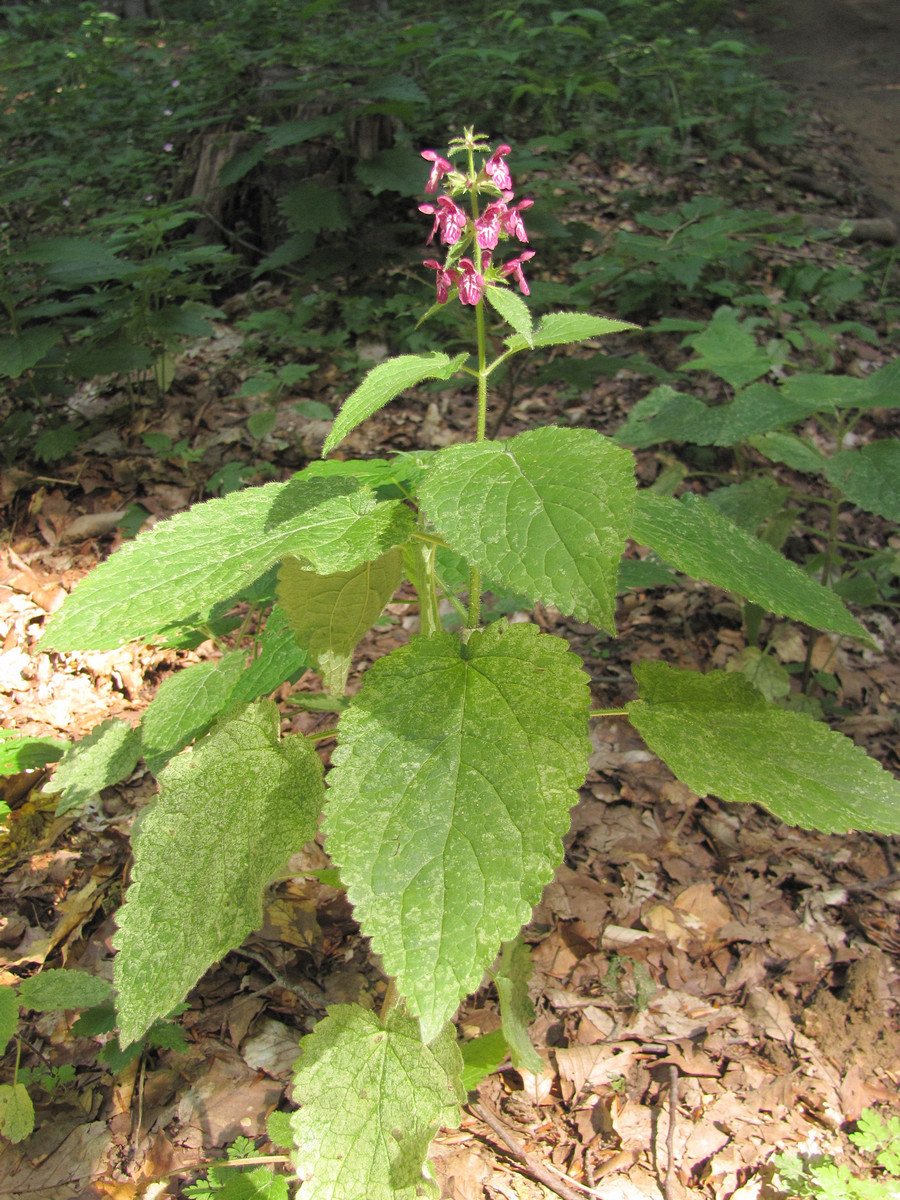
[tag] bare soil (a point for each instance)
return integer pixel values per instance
(842, 57)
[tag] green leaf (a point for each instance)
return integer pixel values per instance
(372, 1096)
(106, 756)
(330, 613)
(795, 452)
(72, 262)
(691, 535)
(230, 813)
(729, 350)
(516, 1009)
(881, 389)
(52, 991)
(562, 328)
(28, 753)
(26, 349)
(16, 1112)
(750, 503)
(382, 384)
(278, 659)
(174, 573)
(457, 765)
(545, 514)
(869, 476)
(481, 1057)
(186, 705)
(513, 309)
(278, 1129)
(290, 133)
(718, 735)
(311, 207)
(9, 1015)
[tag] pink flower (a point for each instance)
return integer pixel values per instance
(471, 283)
(445, 279)
(449, 218)
(514, 268)
(511, 218)
(487, 227)
(439, 168)
(497, 169)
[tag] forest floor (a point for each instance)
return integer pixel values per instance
(710, 985)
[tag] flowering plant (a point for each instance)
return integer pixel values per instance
(458, 758)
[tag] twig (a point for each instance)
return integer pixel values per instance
(670, 1134)
(549, 1178)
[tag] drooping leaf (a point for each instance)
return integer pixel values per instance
(26, 349)
(513, 309)
(869, 476)
(330, 613)
(107, 755)
(545, 514)
(562, 328)
(230, 813)
(516, 1009)
(382, 384)
(9, 1015)
(177, 571)
(28, 753)
(457, 765)
(372, 1096)
(691, 535)
(482, 1056)
(185, 705)
(16, 1112)
(789, 448)
(50, 991)
(718, 735)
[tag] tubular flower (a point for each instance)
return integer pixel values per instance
(514, 268)
(439, 168)
(449, 218)
(446, 278)
(471, 283)
(487, 227)
(511, 218)
(497, 169)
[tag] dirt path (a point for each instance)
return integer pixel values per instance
(844, 57)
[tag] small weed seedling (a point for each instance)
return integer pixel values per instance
(821, 1178)
(458, 759)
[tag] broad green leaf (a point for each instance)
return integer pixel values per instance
(561, 328)
(718, 735)
(278, 1129)
(751, 503)
(481, 1057)
(71, 262)
(792, 450)
(691, 535)
(372, 1096)
(457, 766)
(663, 415)
(176, 572)
(230, 813)
(764, 671)
(26, 349)
(50, 991)
(390, 479)
(28, 753)
(290, 133)
(545, 514)
(881, 389)
(729, 350)
(513, 309)
(16, 1112)
(382, 384)
(330, 613)
(106, 756)
(516, 1009)
(869, 476)
(186, 705)
(9, 1015)
(278, 659)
